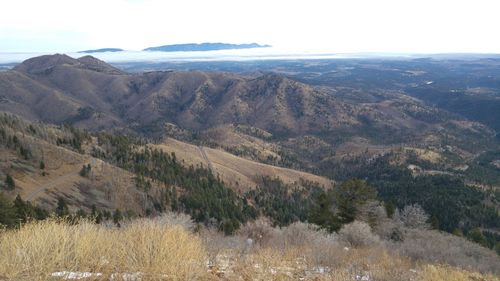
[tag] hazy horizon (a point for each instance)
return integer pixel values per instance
(314, 26)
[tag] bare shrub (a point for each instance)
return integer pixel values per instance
(390, 230)
(358, 234)
(172, 219)
(260, 231)
(298, 234)
(219, 247)
(356, 264)
(318, 247)
(413, 216)
(438, 247)
(373, 213)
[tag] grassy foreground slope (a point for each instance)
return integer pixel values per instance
(167, 249)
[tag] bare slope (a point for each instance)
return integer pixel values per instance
(106, 186)
(240, 173)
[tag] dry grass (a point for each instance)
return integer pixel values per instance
(39, 249)
(165, 249)
(445, 273)
(234, 169)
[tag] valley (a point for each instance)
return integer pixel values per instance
(228, 143)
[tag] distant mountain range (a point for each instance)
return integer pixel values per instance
(203, 47)
(102, 50)
(188, 47)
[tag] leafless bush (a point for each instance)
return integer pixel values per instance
(165, 219)
(172, 218)
(413, 216)
(260, 231)
(390, 229)
(297, 234)
(373, 213)
(358, 234)
(438, 247)
(219, 245)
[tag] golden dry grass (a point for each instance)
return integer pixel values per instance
(166, 251)
(234, 169)
(445, 273)
(296, 263)
(38, 249)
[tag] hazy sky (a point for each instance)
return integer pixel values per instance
(311, 25)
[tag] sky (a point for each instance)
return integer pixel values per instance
(321, 26)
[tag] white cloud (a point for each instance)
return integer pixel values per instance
(336, 26)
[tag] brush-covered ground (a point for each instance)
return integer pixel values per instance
(172, 247)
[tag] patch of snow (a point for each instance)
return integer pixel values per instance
(126, 276)
(363, 278)
(69, 275)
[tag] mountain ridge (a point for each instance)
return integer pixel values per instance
(101, 96)
(101, 50)
(201, 47)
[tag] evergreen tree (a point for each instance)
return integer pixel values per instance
(7, 212)
(62, 209)
(390, 208)
(323, 214)
(80, 214)
(24, 210)
(350, 196)
(10, 184)
(434, 222)
(117, 217)
(457, 232)
(342, 204)
(85, 171)
(477, 236)
(96, 215)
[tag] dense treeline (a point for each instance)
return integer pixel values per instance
(284, 203)
(14, 213)
(483, 170)
(342, 204)
(452, 205)
(201, 194)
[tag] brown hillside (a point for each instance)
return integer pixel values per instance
(106, 187)
(238, 172)
(93, 94)
(287, 123)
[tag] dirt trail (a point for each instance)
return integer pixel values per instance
(204, 155)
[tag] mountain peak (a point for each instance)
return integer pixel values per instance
(43, 63)
(95, 64)
(102, 50)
